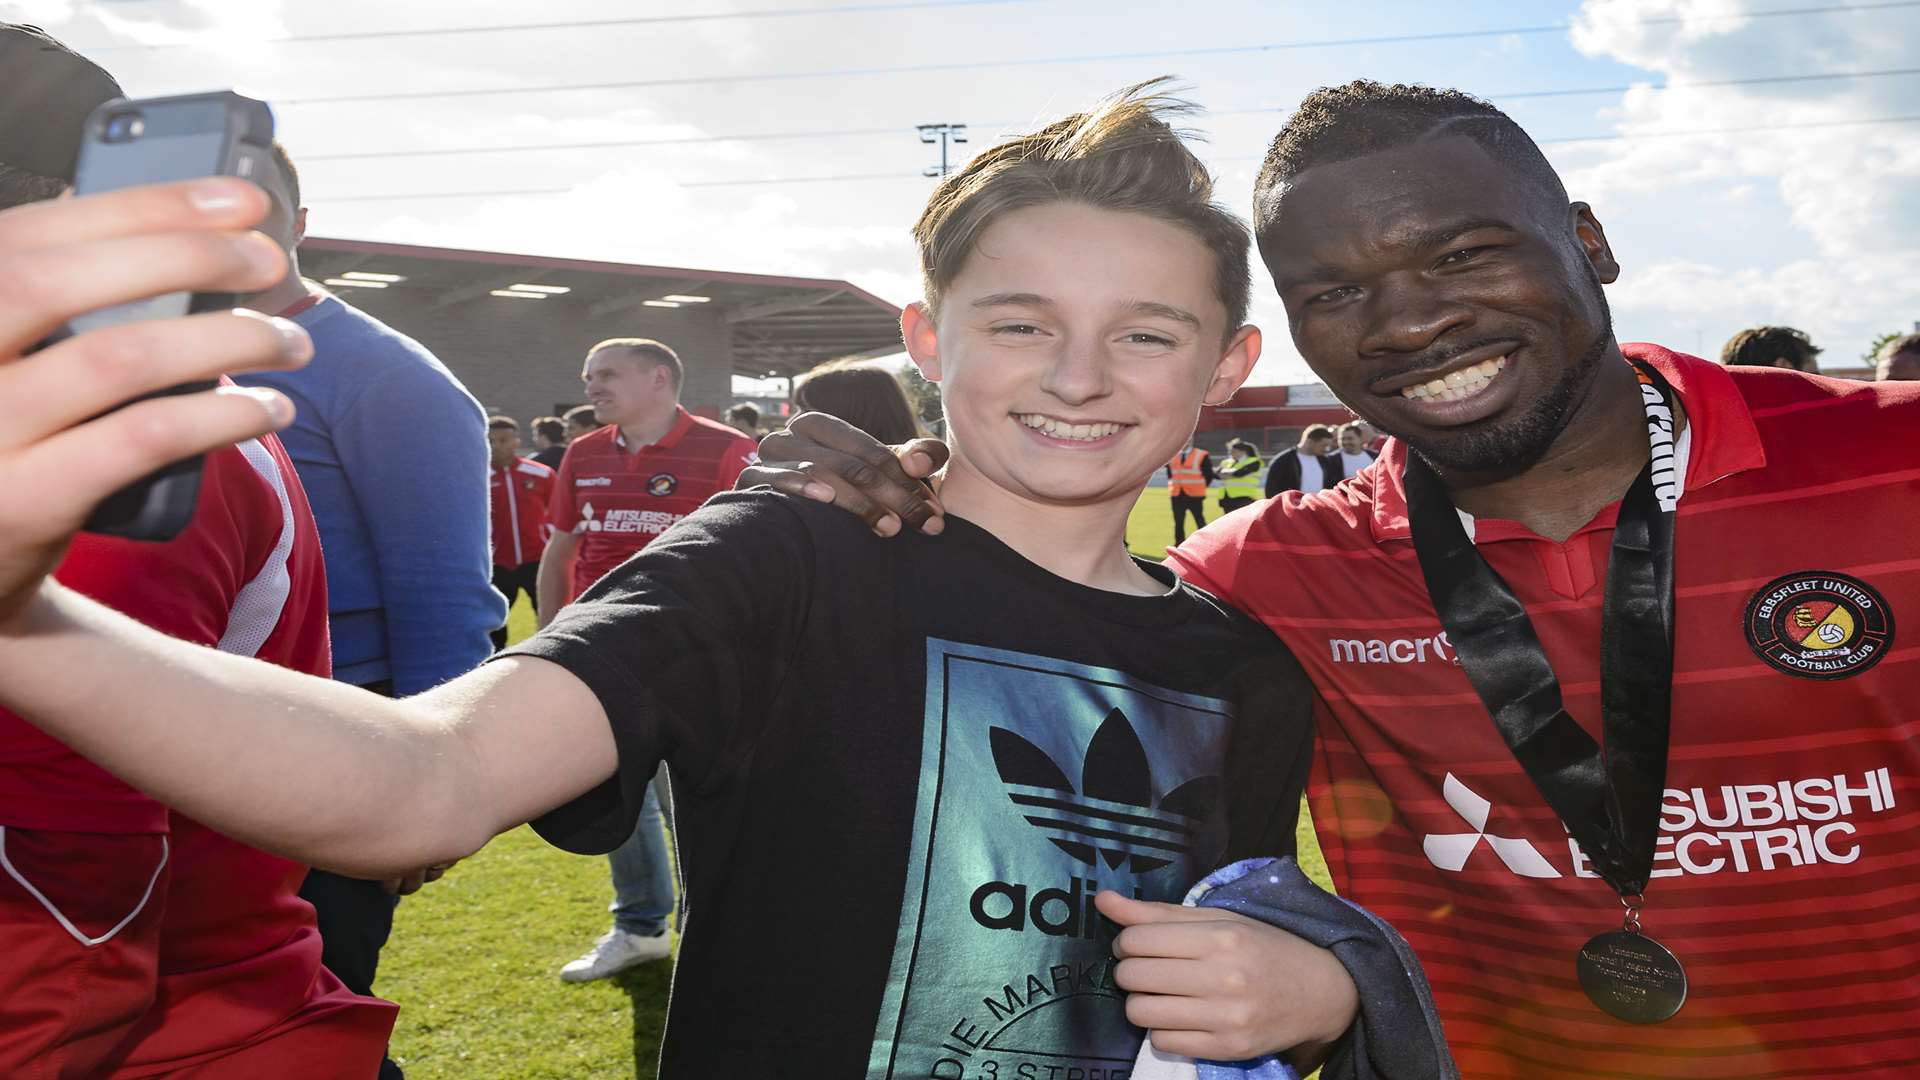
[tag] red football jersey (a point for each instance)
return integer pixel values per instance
(616, 501)
(239, 965)
(245, 575)
(520, 493)
(1783, 878)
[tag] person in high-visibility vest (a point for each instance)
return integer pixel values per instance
(1239, 477)
(1188, 475)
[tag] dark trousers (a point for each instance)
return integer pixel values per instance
(1230, 503)
(512, 581)
(355, 918)
(1184, 505)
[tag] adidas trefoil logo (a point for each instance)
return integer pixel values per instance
(1112, 817)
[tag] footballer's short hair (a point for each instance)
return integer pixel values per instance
(1340, 123)
(497, 422)
(1123, 154)
(551, 428)
(647, 351)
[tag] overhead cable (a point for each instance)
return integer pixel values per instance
(594, 24)
(898, 129)
(907, 175)
(1015, 62)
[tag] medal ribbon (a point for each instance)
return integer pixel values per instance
(1608, 798)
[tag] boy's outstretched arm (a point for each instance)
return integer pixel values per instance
(318, 771)
(259, 752)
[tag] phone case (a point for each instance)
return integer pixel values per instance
(158, 506)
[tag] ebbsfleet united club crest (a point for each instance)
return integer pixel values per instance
(1816, 624)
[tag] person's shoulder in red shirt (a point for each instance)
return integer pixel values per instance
(537, 482)
(233, 912)
(1242, 553)
(732, 451)
(530, 467)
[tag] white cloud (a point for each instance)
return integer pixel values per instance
(638, 215)
(1846, 310)
(37, 12)
(1850, 189)
(229, 27)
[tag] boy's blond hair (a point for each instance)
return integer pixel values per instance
(1120, 155)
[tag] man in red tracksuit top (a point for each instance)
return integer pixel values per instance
(135, 942)
(519, 490)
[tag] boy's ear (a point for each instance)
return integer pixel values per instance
(922, 341)
(1243, 351)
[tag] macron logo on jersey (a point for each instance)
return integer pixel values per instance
(1392, 650)
(594, 481)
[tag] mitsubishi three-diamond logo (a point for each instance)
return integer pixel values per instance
(587, 524)
(1449, 851)
(1112, 817)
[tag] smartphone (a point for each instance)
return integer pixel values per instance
(129, 142)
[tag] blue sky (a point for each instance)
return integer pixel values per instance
(1810, 220)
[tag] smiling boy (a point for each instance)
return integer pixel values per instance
(904, 768)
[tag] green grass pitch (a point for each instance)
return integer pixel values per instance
(1150, 522)
(474, 958)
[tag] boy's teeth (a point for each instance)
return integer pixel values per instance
(1058, 430)
(1455, 385)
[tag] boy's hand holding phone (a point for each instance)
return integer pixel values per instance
(1215, 985)
(61, 450)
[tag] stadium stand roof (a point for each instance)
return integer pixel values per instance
(515, 328)
(780, 325)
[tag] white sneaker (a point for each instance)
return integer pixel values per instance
(616, 951)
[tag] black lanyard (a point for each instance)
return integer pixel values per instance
(1609, 799)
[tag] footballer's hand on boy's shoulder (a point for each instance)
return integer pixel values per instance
(66, 444)
(1217, 985)
(824, 458)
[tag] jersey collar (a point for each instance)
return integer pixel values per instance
(1722, 436)
(682, 423)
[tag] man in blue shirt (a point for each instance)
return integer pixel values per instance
(393, 453)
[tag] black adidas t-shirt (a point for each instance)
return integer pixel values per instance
(902, 768)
